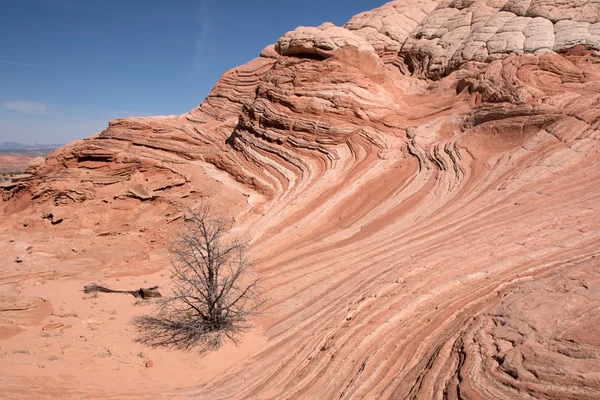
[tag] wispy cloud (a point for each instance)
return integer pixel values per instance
(59, 3)
(202, 33)
(17, 63)
(27, 107)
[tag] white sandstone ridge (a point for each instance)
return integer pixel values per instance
(433, 38)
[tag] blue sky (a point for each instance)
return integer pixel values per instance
(69, 66)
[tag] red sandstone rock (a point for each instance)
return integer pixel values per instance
(420, 186)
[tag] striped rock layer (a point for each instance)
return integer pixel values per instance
(421, 187)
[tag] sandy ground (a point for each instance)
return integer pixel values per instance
(71, 344)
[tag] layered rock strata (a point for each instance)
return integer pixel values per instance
(421, 190)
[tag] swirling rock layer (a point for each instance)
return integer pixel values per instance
(421, 190)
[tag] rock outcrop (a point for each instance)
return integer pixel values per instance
(421, 187)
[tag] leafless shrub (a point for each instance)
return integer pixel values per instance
(213, 295)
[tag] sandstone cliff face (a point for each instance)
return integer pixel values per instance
(421, 187)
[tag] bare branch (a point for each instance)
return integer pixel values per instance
(212, 296)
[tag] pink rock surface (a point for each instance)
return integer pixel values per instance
(421, 192)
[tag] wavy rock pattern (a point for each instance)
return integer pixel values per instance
(424, 199)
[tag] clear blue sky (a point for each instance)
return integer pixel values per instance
(69, 66)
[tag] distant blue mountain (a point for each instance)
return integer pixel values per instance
(35, 146)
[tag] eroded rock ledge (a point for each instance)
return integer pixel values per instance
(415, 182)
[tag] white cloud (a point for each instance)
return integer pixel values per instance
(27, 107)
(17, 63)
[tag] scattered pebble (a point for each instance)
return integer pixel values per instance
(149, 364)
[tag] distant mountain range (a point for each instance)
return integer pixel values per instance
(35, 146)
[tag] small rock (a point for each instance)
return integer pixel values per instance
(74, 250)
(149, 364)
(18, 260)
(65, 313)
(12, 240)
(29, 248)
(53, 326)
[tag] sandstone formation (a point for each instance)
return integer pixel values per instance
(420, 187)
(16, 162)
